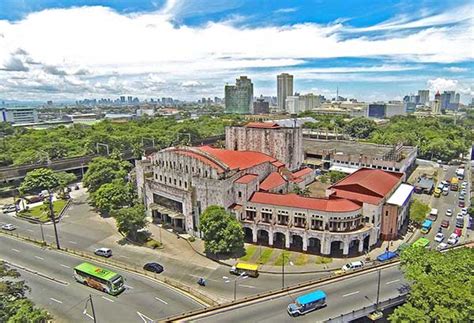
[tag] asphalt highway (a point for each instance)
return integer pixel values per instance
(143, 299)
(342, 297)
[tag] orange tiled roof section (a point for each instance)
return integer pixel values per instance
(237, 159)
(311, 203)
(202, 158)
(246, 179)
(263, 125)
(271, 181)
(366, 185)
(302, 172)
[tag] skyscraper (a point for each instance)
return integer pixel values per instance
(239, 97)
(284, 89)
(424, 96)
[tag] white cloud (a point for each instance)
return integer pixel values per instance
(286, 10)
(455, 69)
(108, 51)
(442, 84)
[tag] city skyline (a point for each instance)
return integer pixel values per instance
(188, 50)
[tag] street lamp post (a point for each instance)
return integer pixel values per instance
(51, 211)
(92, 307)
(242, 276)
(284, 255)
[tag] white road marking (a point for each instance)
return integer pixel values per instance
(64, 266)
(55, 300)
(159, 299)
(124, 257)
(248, 286)
(38, 257)
(145, 318)
(392, 281)
(89, 316)
(350, 294)
(73, 242)
(16, 250)
(108, 299)
(30, 230)
(129, 287)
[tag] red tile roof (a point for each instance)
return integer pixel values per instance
(273, 180)
(278, 164)
(246, 179)
(202, 158)
(366, 185)
(237, 159)
(296, 201)
(303, 172)
(263, 125)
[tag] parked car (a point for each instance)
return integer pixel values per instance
(461, 203)
(453, 239)
(441, 246)
(446, 190)
(439, 237)
(449, 212)
(8, 227)
(445, 224)
(460, 223)
(387, 255)
(464, 184)
(154, 267)
(103, 252)
(9, 208)
(464, 211)
(34, 199)
(353, 265)
(458, 232)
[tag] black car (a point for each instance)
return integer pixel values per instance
(154, 267)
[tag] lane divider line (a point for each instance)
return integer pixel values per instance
(350, 294)
(159, 299)
(392, 281)
(108, 299)
(55, 300)
(38, 257)
(37, 273)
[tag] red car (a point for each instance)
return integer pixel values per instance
(458, 232)
(461, 204)
(445, 224)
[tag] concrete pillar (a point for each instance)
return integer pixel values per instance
(305, 241)
(287, 240)
(361, 245)
(325, 246)
(254, 235)
(345, 249)
(270, 237)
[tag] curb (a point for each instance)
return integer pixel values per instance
(58, 218)
(36, 273)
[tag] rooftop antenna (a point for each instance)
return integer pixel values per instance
(337, 93)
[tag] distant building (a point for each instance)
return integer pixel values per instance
(284, 90)
(239, 97)
(395, 108)
(292, 104)
(261, 107)
(436, 105)
(377, 110)
(122, 99)
(18, 115)
(424, 96)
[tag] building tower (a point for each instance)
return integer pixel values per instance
(239, 97)
(436, 109)
(424, 96)
(284, 90)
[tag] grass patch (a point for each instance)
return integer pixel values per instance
(283, 256)
(153, 244)
(249, 252)
(39, 214)
(301, 260)
(323, 260)
(265, 256)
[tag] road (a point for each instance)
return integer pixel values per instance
(142, 298)
(342, 297)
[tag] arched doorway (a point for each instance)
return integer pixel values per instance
(262, 237)
(366, 243)
(296, 242)
(336, 248)
(279, 240)
(354, 247)
(314, 245)
(248, 235)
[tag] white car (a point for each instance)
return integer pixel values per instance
(439, 237)
(449, 212)
(441, 246)
(464, 211)
(460, 216)
(104, 252)
(463, 191)
(8, 227)
(464, 184)
(453, 239)
(353, 265)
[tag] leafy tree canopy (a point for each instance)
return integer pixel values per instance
(418, 211)
(222, 233)
(442, 288)
(103, 170)
(131, 219)
(112, 196)
(360, 127)
(39, 179)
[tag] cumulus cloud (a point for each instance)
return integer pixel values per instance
(14, 64)
(442, 84)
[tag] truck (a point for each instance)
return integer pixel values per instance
(306, 303)
(426, 226)
(454, 184)
(460, 173)
(433, 215)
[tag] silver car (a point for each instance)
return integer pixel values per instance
(8, 227)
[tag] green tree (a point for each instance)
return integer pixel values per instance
(103, 170)
(336, 176)
(418, 211)
(14, 306)
(40, 179)
(302, 192)
(131, 219)
(360, 127)
(442, 287)
(222, 233)
(64, 179)
(112, 196)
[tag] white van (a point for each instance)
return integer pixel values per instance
(104, 252)
(353, 265)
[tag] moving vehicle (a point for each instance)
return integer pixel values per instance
(249, 269)
(449, 212)
(103, 252)
(426, 226)
(153, 267)
(353, 265)
(453, 239)
(439, 237)
(387, 255)
(307, 303)
(99, 278)
(445, 224)
(421, 242)
(8, 227)
(433, 215)
(454, 184)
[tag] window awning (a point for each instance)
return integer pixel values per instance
(164, 210)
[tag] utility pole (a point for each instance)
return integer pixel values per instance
(92, 307)
(51, 211)
(283, 271)
(378, 291)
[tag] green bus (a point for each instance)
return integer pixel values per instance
(422, 242)
(99, 278)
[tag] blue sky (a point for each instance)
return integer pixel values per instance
(371, 50)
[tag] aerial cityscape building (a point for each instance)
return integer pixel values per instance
(284, 90)
(239, 97)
